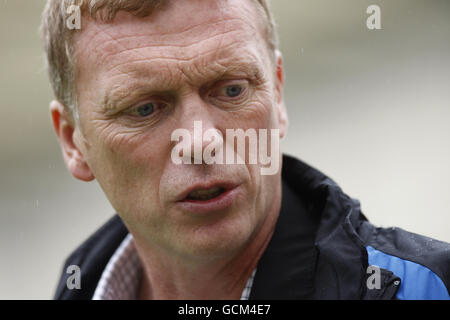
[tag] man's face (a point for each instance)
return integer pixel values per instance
(139, 79)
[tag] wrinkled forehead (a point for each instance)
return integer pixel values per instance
(180, 30)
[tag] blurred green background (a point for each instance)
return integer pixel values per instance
(370, 108)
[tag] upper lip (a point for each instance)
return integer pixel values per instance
(226, 185)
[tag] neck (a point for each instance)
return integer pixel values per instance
(173, 278)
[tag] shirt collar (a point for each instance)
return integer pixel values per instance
(122, 276)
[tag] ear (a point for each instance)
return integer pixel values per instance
(279, 85)
(65, 130)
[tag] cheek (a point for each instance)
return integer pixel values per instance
(257, 114)
(262, 107)
(128, 167)
(129, 148)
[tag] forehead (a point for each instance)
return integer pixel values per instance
(180, 31)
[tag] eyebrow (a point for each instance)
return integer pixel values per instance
(143, 84)
(123, 94)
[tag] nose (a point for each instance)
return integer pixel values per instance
(202, 141)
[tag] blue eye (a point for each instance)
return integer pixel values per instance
(233, 91)
(146, 109)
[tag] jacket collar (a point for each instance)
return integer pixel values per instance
(315, 251)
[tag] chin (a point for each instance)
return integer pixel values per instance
(221, 239)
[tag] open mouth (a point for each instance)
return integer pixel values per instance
(208, 197)
(205, 194)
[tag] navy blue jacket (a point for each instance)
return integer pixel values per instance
(323, 247)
